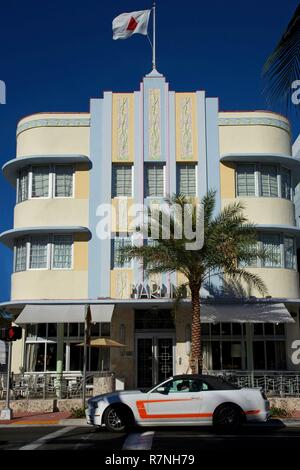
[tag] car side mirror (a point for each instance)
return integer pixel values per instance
(162, 390)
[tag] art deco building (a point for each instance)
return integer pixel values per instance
(136, 148)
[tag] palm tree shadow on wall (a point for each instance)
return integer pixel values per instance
(230, 289)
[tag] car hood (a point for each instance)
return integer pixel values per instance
(120, 395)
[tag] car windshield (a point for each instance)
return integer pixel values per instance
(146, 390)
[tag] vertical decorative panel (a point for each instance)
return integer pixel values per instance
(186, 140)
(122, 285)
(186, 135)
(123, 128)
(123, 122)
(154, 124)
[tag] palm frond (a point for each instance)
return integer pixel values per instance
(282, 67)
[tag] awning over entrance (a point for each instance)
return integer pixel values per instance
(64, 313)
(246, 313)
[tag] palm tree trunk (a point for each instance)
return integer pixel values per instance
(196, 356)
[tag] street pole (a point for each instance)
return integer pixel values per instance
(7, 412)
(87, 323)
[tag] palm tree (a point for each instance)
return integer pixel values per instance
(230, 243)
(282, 67)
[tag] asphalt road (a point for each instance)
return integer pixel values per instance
(156, 440)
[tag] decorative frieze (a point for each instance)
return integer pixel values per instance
(154, 124)
(52, 122)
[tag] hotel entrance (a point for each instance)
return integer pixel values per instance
(154, 350)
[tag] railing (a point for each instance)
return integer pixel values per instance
(273, 383)
(48, 385)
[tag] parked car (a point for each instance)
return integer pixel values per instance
(182, 400)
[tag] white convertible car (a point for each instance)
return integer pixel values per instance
(182, 400)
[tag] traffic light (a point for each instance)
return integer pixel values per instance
(11, 334)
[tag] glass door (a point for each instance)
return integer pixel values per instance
(154, 358)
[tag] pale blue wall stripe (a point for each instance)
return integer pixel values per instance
(213, 150)
(100, 193)
(138, 168)
(172, 143)
(159, 83)
(202, 155)
(213, 163)
(172, 160)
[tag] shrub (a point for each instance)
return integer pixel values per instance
(279, 412)
(78, 412)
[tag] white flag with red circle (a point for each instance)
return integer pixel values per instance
(127, 24)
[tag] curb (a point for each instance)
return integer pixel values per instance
(73, 422)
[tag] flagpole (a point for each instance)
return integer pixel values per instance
(154, 37)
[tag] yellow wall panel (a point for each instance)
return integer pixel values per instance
(121, 283)
(82, 181)
(227, 176)
(81, 251)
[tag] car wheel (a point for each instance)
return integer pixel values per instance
(116, 419)
(227, 418)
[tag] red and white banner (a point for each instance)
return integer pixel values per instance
(127, 24)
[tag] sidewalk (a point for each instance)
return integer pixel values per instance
(37, 418)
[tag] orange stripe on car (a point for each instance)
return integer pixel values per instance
(144, 415)
(252, 412)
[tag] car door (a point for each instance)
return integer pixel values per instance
(174, 403)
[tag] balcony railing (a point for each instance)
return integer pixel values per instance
(273, 383)
(46, 385)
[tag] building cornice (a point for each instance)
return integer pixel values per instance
(53, 122)
(254, 121)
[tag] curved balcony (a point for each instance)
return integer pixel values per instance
(266, 210)
(11, 168)
(52, 211)
(8, 237)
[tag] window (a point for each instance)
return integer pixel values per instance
(154, 180)
(117, 244)
(121, 180)
(289, 252)
(271, 243)
(186, 179)
(23, 185)
(246, 180)
(64, 180)
(263, 180)
(285, 183)
(21, 255)
(270, 355)
(62, 252)
(269, 183)
(58, 248)
(40, 181)
(38, 253)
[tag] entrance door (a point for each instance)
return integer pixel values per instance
(154, 358)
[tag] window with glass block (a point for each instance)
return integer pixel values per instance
(117, 244)
(64, 180)
(245, 180)
(186, 179)
(154, 180)
(62, 252)
(121, 180)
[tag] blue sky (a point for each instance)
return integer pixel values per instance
(55, 56)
